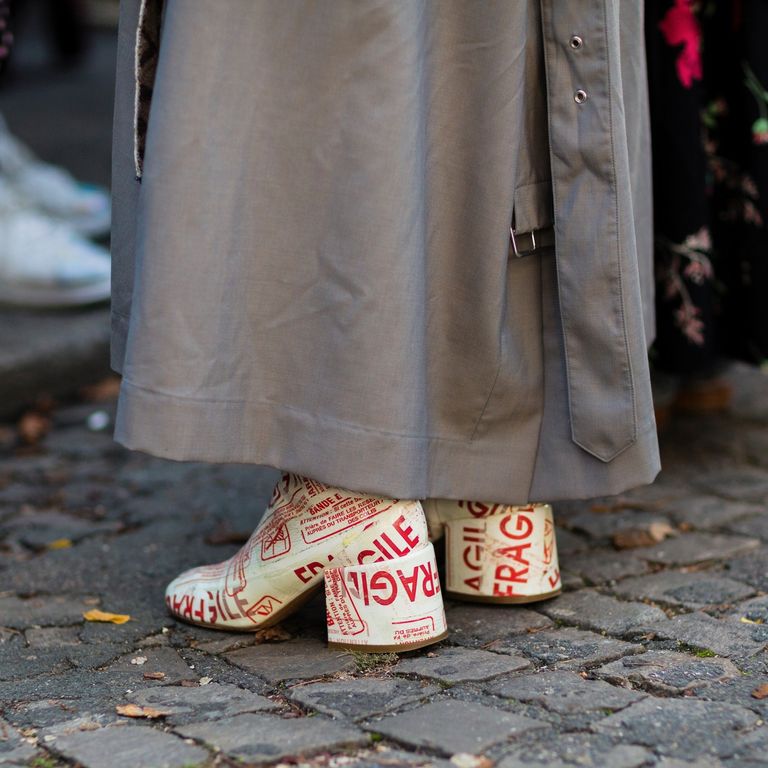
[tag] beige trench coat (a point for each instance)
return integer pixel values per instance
(314, 271)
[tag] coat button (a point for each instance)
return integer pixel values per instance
(576, 42)
(580, 96)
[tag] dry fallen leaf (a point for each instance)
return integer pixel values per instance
(59, 544)
(464, 760)
(32, 427)
(660, 530)
(642, 537)
(745, 620)
(632, 538)
(134, 710)
(271, 635)
(205, 680)
(106, 389)
(115, 618)
(761, 692)
(154, 675)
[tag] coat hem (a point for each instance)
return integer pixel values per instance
(343, 455)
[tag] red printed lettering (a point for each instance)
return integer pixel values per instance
(522, 523)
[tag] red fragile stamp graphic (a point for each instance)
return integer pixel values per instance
(275, 541)
(263, 607)
(549, 541)
(337, 520)
(342, 615)
(479, 509)
(413, 629)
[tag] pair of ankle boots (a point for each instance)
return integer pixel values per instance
(376, 559)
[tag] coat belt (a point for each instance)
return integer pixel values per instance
(595, 254)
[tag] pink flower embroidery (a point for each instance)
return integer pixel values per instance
(679, 27)
(760, 131)
(687, 319)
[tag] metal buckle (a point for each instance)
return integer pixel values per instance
(517, 253)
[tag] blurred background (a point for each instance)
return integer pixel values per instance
(56, 94)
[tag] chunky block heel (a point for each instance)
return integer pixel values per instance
(383, 591)
(392, 605)
(506, 555)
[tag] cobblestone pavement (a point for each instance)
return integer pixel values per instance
(654, 655)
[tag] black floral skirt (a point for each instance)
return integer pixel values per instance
(708, 80)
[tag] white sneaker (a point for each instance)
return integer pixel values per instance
(53, 191)
(44, 263)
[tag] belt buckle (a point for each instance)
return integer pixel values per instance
(518, 253)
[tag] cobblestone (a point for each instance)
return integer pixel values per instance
(476, 625)
(742, 484)
(293, 660)
(754, 525)
(682, 728)
(592, 610)
(726, 637)
(604, 566)
(14, 749)
(696, 548)
(46, 611)
(754, 610)
(607, 524)
(452, 727)
(565, 692)
(130, 746)
(692, 590)
(704, 513)
(751, 568)
(266, 738)
(459, 665)
(567, 750)
(361, 698)
(667, 672)
(569, 648)
(206, 702)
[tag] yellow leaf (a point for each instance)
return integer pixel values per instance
(134, 710)
(761, 692)
(745, 620)
(59, 544)
(96, 615)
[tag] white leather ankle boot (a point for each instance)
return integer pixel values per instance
(382, 587)
(496, 553)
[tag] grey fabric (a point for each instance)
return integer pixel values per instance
(314, 272)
